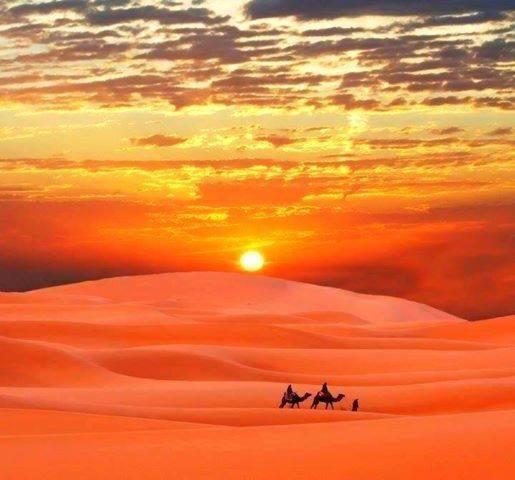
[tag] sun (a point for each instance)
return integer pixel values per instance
(252, 261)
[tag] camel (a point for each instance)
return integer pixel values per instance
(294, 400)
(328, 399)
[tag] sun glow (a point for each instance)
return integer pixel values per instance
(252, 261)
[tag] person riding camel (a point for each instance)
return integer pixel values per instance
(324, 391)
(289, 393)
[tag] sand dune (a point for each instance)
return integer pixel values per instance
(229, 293)
(180, 376)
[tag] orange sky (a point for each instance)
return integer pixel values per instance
(367, 147)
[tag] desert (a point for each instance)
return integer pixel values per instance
(181, 375)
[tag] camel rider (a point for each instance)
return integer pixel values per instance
(289, 392)
(324, 391)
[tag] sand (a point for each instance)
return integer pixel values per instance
(180, 376)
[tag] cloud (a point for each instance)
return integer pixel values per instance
(475, 264)
(332, 31)
(501, 131)
(447, 130)
(186, 56)
(406, 143)
(480, 102)
(499, 50)
(350, 102)
(277, 140)
(165, 16)
(43, 8)
(450, 20)
(158, 140)
(310, 10)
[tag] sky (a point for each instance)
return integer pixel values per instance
(362, 144)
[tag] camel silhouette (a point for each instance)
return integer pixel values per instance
(326, 398)
(294, 400)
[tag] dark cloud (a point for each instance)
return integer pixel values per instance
(20, 275)
(501, 131)
(495, 102)
(309, 9)
(114, 91)
(350, 102)
(447, 100)
(197, 47)
(202, 48)
(88, 48)
(332, 31)
(157, 141)
(505, 104)
(450, 20)
(163, 15)
(475, 265)
(276, 65)
(42, 8)
(447, 130)
(499, 50)
(277, 140)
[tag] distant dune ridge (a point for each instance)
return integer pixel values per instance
(180, 376)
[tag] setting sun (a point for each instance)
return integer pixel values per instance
(252, 261)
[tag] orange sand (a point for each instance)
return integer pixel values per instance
(180, 375)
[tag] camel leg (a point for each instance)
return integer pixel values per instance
(326, 405)
(332, 406)
(283, 403)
